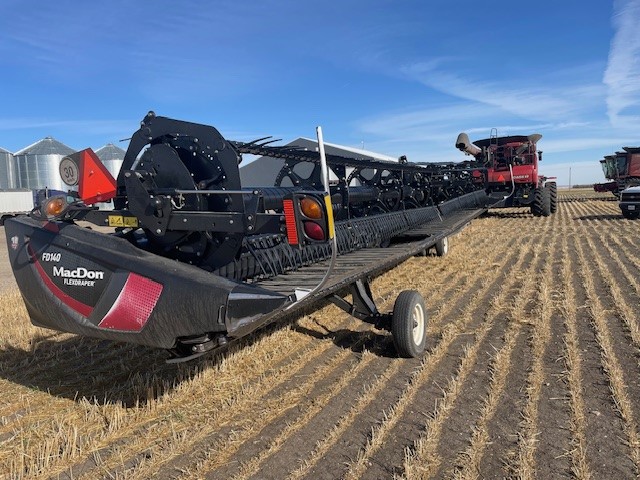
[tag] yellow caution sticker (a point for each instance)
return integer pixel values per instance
(122, 221)
(130, 222)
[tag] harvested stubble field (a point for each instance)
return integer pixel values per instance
(532, 371)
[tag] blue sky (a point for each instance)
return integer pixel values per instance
(399, 77)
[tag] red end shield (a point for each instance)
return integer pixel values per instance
(96, 183)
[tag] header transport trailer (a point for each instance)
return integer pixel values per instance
(190, 259)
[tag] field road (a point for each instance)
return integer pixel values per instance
(532, 371)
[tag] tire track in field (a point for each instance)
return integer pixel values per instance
(381, 432)
(626, 261)
(603, 424)
(573, 361)
(615, 289)
(554, 412)
(468, 462)
(523, 464)
(610, 361)
(589, 460)
(425, 461)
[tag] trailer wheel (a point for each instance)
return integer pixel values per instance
(442, 247)
(409, 324)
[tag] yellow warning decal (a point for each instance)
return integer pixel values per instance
(122, 221)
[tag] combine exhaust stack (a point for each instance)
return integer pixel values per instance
(191, 259)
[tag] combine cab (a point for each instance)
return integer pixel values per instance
(189, 259)
(623, 169)
(511, 177)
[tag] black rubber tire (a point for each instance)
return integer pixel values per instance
(553, 190)
(546, 202)
(442, 247)
(409, 324)
(630, 215)
(536, 205)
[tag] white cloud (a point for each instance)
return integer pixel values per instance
(622, 76)
(586, 143)
(543, 102)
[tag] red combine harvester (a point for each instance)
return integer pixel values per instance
(623, 169)
(511, 177)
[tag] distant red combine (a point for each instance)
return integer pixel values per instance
(512, 174)
(622, 168)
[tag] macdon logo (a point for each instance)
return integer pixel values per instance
(80, 277)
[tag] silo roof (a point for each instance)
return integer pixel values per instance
(110, 152)
(2, 150)
(46, 146)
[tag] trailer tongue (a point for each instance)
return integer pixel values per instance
(193, 259)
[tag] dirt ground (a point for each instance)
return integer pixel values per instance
(7, 281)
(532, 370)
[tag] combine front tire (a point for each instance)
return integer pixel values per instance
(546, 202)
(409, 324)
(541, 205)
(536, 205)
(553, 193)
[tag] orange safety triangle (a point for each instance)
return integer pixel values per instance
(501, 178)
(96, 183)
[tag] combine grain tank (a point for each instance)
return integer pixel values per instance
(39, 165)
(195, 259)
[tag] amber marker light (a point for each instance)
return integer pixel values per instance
(54, 206)
(311, 208)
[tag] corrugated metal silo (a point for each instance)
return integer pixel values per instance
(39, 165)
(112, 158)
(8, 170)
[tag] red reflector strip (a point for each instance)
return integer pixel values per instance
(133, 307)
(81, 308)
(290, 221)
(51, 227)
